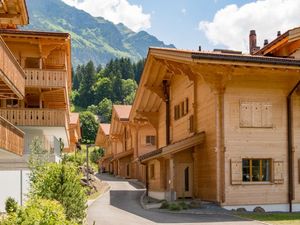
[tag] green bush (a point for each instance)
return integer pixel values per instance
(61, 182)
(96, 154)
(39, 211)
(174, 207)
(11, 205)
(164, 205)
(183, 205)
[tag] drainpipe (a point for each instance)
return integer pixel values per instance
(167, 100)
(290, 147)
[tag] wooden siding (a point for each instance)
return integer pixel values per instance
(36, 117)
(181, 89)
(205, 173)
(11, 138)
(262, 142)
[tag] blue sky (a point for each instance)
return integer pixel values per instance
(209, 23)
(177, 21)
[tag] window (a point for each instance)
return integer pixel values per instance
(256, 114)
(181, 109)
(12, 103)
(152, 171)
(256, 170)
(128, 170)
(186, 179)
(150, 140)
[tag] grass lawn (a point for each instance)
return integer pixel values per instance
(274, 218)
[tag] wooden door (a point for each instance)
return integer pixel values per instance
(185, 180)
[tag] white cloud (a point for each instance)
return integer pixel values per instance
(117, 11)
(183, 11)
(231, 25)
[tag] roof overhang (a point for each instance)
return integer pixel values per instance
(13, 13)
(176, 147)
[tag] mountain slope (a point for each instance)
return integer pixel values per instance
(93, 38)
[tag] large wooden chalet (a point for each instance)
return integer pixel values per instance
(223, 126)
(35, 84)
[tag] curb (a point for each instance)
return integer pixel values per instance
(141, 200)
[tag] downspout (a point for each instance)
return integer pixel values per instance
(167, 100)
(290, 147)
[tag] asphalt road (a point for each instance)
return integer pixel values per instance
(120, 206)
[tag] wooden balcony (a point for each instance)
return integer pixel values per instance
(45, 78)
(11, 138)
(36, 117)
(12, 77)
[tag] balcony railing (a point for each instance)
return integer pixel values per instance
(14, 74)
(35, 117)
(11, 138)
(45, 78)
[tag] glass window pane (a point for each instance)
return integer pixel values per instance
(246, 170)
(266, 170)
(255, 170)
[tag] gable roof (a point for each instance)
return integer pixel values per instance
(105, 127)
(122, 111)
(281, 41)
(74, 117)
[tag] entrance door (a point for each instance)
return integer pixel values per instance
(185, 180)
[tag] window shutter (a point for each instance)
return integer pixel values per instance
(245, 114)
(236, 172)
(256, 114)
(267, 115)
(278, 172)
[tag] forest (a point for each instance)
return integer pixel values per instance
(95, 89)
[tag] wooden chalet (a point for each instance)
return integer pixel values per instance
(103, 140)
(226, 125)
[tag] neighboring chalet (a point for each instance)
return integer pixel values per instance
(103, 140)
(35, 83)
(225, 125)
(123, 142)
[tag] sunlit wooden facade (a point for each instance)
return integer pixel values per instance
(220, 119)
(103, 141)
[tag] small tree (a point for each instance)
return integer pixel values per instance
(96, 154)
(61, 182)
(11, 205)
(89, 127)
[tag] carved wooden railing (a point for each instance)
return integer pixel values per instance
(11, 138)
(36, 117)
(45, 78)
(14, 75)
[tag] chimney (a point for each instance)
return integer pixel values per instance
(199, 48)
(252, 42)
(266, 42)
(278, 33)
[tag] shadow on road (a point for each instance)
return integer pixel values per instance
(129, 202)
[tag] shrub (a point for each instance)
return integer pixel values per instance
(11, 205)
(183, 205)
(39, 211)
(164, 205)
(61, 182)
(174, 207)
(96, 154)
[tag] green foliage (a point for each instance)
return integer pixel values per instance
(11, 205)
(174, 207)
(183, 205)
(39, 211)
(103, 89)
(96, 154)
(89, 127)
(165, 205)
(104, 110)
(88, 78)
(77, 159)
(61, 182)
(38, 155)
